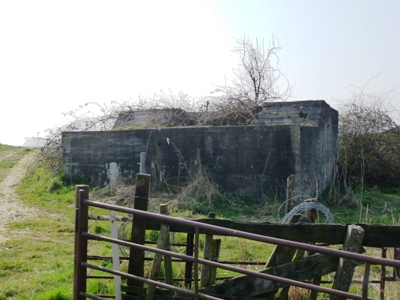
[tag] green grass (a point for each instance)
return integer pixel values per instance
(7, 164)
(37, 261)
(49, 192)
(373, 206)
(10, 156)
(6, 147)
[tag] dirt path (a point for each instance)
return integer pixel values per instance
(11, 206)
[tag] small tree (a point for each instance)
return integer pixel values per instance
(256, 80)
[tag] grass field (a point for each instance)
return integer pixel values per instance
(36, 262)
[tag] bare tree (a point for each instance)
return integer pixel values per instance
(256, 80)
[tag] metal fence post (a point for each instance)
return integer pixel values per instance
(365, 281)
(383, 276)
(396, 270)
(196, 262)
(189, 265)
(80, 250)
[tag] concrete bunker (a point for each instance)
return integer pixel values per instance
(299, 137)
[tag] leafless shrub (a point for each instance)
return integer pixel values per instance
(169, 100)
(199, 187)
(92, 116)
(369, 140)
(82, 119)
(121, 194)
(256, 80)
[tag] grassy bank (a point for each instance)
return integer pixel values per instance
(36, 261)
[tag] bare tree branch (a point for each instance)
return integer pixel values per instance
(256, 80)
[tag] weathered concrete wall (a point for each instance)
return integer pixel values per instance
(252, 160)
(318, 148)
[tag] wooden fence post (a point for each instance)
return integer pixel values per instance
(345, 270)
(169, 278)
(281, 255)
(214, 256)
(289, 193)
(142, 164)
(211, 252)
(164, 209)
(312, 215)
(80, 250)
(207, 254)
(136, 256)
(162, 243)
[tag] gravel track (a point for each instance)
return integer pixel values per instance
(11, 206)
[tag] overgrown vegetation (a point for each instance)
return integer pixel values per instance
(369, 142)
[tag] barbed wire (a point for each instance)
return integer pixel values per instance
(303, 207)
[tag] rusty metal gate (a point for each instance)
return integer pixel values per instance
(82, 236)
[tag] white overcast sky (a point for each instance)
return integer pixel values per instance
(56, 55)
